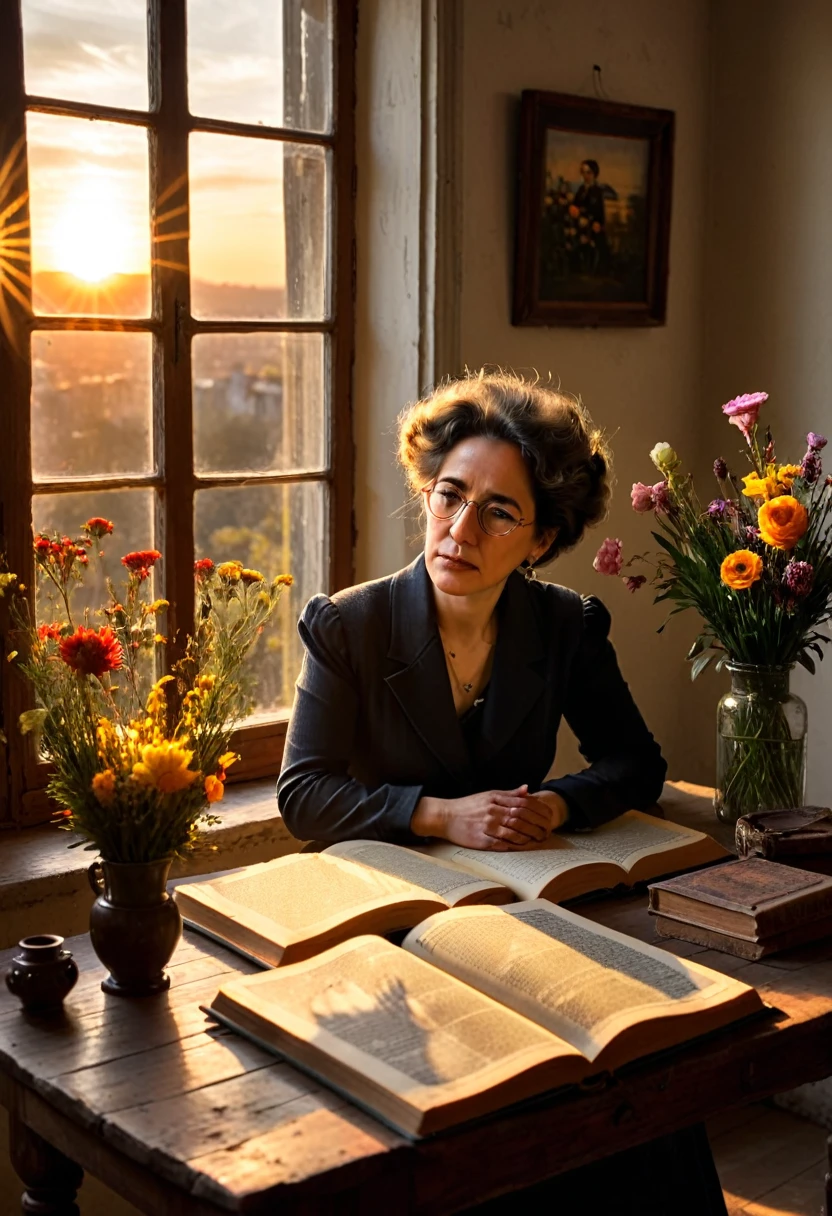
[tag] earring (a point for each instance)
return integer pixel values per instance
(529, 572)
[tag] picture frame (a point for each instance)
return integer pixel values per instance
(594, 189)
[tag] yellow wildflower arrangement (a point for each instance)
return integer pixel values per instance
(138, 762)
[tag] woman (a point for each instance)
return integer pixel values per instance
(429, 701)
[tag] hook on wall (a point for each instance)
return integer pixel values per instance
(598, 84)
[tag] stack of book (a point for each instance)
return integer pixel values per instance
(750, 907)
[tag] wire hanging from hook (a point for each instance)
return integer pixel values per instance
(598, 84)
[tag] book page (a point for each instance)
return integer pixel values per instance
(526, 872)
(412, 1028)
(306, 889)
(630, 837)
(580, 980)
(440, 877)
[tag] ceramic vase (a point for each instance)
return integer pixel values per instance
(134, 925)
(42, 973)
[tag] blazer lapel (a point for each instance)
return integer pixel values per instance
(517, 681)
(422, 687)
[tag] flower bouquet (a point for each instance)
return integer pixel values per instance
(137, 760)
(756, 564)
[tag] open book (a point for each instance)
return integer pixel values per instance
(481, 1008)
(628, 850)
(281, 911)
(289, 909)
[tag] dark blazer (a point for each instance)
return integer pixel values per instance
(374, 727)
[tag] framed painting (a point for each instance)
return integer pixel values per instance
(593, 212)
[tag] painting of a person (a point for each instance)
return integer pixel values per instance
(429, 701)
(593, 220)
(587, 209)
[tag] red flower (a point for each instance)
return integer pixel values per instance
(43, 546)
(141, 562)
(49, 631)
(203, 568)
(97, 527)
(91, 652)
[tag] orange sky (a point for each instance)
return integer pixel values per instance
(89, 181)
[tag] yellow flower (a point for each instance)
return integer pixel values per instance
(283, 580)
(782, 521)
(156, 606)
(227, 759)
(104, 786)
(231, 571)
(787, 473)
(164, 767)
(741, 569)
(759, 487)
(214, 789)
(252, 576)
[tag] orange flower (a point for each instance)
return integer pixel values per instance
(741, 569)
(97, 527)
(214, 789)
(782, 521)
(92, 653)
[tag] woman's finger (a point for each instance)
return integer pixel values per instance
(502, 832)
(531, 827)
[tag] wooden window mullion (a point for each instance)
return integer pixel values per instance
(15, 373)
(167, 65)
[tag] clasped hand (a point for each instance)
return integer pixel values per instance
(501, 820)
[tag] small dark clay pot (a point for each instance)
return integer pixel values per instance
(134, 925)
(42, 973)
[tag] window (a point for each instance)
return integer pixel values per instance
(175, 341)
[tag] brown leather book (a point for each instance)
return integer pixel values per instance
(712, 939)
(751, 898)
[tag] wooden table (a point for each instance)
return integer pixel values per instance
(186, 1119)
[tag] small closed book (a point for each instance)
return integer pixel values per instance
(480, 1008)
(742, 947)
(751, 898)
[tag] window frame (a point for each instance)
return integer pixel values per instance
(169, 123)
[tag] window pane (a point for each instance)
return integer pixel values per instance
(132, 514)
(259, 403)
(90, 217)
(274, 529)
(258, 228)
(86, 50)
(267, 62)
(91, 404)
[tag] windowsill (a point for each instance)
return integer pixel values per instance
(43, 882)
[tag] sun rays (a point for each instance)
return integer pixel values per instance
(15, 262)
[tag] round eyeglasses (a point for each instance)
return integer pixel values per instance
(495, 519)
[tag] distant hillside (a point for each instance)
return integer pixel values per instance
(128, 295)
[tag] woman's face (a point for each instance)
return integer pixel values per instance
(587, 175)
(461, 558)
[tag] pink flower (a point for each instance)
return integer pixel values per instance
(661, 497)
(642, 497)
(633, 581)
(608, 557)
(742, 411)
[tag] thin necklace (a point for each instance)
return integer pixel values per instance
(451, 655)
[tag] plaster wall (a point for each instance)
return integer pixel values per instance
(641, 385)
(769, 256)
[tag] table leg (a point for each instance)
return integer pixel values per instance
(50, 1178)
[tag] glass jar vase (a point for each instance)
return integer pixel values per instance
(760, 743)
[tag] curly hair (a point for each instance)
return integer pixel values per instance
(568, 462)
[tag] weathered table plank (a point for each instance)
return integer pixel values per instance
(183, 1117)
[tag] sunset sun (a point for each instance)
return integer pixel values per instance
(90, 238)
